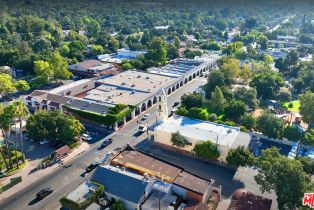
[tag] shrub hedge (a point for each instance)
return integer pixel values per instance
(115, 114)
(12, 182)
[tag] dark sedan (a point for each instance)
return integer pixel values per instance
(106, 143)
(91, 167)
(44, 193)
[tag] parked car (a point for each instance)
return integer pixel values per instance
(175, 104)
(142, 128)
(86, 137)
(91, 167)
(118, 149)
(45, 141)
(106, 142)
(173, 111)
(2, 174)
(146, 116)
(44, 193)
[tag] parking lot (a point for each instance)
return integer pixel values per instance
(258, 144)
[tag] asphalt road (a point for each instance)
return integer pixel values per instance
(64, 179)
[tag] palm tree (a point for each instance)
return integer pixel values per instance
(5, 125)
(1, 149)
(20, 111)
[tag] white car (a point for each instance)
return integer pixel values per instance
(146, 116)
(42, 142)
(86, 137)
(142, 128)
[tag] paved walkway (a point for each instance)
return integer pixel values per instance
(30, 173)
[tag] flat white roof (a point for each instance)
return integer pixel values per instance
(129, 87)
(82, 192)
(68, 86)
(201, 130)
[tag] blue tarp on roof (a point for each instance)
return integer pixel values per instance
(120, 185)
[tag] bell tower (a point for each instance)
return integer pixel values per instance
(162, 107)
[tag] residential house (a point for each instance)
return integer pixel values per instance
(121, 185)
(92, 68)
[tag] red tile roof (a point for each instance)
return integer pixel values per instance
(89, 64)
(63, 150)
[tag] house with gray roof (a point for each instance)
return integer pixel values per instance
(122, 185)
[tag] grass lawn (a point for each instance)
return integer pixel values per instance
(295, 107)
(14, 169)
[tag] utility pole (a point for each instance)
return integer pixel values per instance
(158, 200)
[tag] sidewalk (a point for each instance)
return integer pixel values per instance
(30, 174)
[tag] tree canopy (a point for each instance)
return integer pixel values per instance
(206, 149)
(239, 156)
(192, 100)
(286, 177)
(306, 107)
(53, 126)
(267, 85)
(270, 125)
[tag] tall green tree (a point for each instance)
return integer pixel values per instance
(2, 151)
(198, 113)
(42, 69)
(217, 101)
(235, 109)
(22, 85)
(263, 42)
(206, 149)
(53, 126)
(239, 156)
(231, 70)
(157, 52)
(172, 52)
(192, 100)
(20, 111)
(309, 138)
(307, 107)
(97, 50)
(113, 44)
(267, 85)
(6, 84)
(215, 78)
(292, 133)
(270, 125)
(248, 121)
(5, 126)
(59, 67)
(283, 175)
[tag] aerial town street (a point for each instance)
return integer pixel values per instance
(65, 178)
